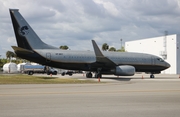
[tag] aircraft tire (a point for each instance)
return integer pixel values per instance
(152, 76)
(98, 75)
(89, 75)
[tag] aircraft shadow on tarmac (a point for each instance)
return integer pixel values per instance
(117, 78)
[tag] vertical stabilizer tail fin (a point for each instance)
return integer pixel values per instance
(25, 36)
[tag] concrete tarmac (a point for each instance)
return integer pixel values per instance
(123, 96)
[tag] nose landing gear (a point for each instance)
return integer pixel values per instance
(152, 76)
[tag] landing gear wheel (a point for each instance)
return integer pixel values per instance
(98, 75)
(89, 75)
(152, 76)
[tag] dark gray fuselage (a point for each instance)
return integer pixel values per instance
(86, 60)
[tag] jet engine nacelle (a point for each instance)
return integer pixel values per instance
(124, 70)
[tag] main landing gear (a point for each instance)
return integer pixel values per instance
(89, 75)
(97, 75)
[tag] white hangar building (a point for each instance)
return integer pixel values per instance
(166, 47)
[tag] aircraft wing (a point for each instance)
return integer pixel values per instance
(100, 58)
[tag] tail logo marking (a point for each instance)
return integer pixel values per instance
(24, 30)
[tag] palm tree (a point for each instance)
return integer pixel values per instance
(10, 54)
(105, 47)
(112, 49)
(65, 47)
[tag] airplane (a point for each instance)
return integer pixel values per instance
(32, 48)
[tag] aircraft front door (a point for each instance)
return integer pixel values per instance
(48, 57)
(152, 61)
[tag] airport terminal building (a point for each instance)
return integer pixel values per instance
(166, 47)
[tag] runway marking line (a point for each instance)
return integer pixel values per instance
(100, 92)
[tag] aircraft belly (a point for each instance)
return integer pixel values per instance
(148, 68)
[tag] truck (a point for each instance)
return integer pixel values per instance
(67, 72)
(31, 69)
(64, 72)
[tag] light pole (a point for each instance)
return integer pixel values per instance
(121, 43)
(0, 59)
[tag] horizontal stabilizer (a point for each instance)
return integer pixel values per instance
(21, 50)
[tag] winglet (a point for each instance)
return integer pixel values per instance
(96, 49)
(100, 58)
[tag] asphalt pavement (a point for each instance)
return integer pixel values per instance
(117, 96)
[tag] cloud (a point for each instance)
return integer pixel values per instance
(75, 23)
(109, 7)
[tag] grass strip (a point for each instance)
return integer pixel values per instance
(26, 79)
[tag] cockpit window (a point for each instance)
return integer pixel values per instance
(160, 59)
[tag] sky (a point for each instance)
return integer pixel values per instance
(76, 22)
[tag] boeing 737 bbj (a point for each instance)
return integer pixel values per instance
(32, 48)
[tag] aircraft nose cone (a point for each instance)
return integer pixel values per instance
(168, 65)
